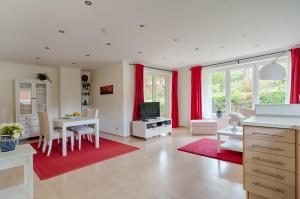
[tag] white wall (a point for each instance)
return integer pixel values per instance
(128, 95)
(70, 90)
(110, 106)
(11, 71)
(184, 96)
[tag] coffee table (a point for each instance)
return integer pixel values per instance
(235, 142)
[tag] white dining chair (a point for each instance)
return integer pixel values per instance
(83, 130)
(49, 133)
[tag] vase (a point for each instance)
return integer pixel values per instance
(7, 143)
(219, 114)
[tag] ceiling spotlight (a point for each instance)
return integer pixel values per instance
(140, 52)
(88, 3)
(73, 63)
(37, 58)
(108, 44)
(47, 48)
(175, 39)
(104, 30)
(61, 31)
(142, 26)
(87, 55)
(221, 46)
(245, 35)
(196, 48)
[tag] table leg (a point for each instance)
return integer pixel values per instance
(218, 143)
(97, 135)
(64, 141)
(29, 177)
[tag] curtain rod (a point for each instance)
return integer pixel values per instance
(154, 68)
(238, 60)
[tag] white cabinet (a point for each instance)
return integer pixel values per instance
(32, 96)
(151, 128)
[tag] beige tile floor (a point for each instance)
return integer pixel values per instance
(156, 171)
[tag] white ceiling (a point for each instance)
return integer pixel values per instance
(27, 26)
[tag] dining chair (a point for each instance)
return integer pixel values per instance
(49, 133)
(83, 130)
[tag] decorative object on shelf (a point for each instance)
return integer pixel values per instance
(107, 90)
(9, 134)
(272, 71)
(44, 77)
(84, 78)
(235, 120)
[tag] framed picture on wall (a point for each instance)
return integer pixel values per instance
(107, 90)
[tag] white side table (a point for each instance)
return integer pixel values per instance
(235, 143)
(22, 156)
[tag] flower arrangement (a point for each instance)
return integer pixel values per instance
(12, 130)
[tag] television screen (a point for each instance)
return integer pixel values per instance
(149, 110)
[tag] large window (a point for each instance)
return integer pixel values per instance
(238, 87)
(241, 89)
(156, 91)
(218, 91)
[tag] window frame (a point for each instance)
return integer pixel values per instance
(162, 74)
(255, 79)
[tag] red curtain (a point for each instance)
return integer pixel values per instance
(295, 76)
(139, 91)
(196, 94)
(175, 115)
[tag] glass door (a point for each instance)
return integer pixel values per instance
(25, 98)
(41, 97)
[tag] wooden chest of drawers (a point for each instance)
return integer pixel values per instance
(270, 169)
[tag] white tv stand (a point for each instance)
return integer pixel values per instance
(152, 127)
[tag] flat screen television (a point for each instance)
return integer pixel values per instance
(149, 110)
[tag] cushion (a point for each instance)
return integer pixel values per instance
(203, 123)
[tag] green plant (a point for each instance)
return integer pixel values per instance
(13, 130)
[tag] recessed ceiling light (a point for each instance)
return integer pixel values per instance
(196, 48)
(37, 58)
(256, 45)
(73, 63)
(104, 30)
(164, 58)
(108, 44)
(175, 39)
(61, 31)
(88, 3)
(87, 55)
(221, 46)
(142, 26)
(245, 35)
(47, 48)
(140, 52)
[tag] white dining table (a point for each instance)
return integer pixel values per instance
(64, 123)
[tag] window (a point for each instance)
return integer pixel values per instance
(273, 92)
(237, 87)
(241, 89)
(156, 90)
(218, 91)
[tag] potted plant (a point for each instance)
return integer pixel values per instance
(219, 112)
(9, 134)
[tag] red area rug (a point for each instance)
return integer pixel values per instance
(54, 165)
(208, 148)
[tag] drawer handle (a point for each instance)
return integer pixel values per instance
(268, 187)
(269, 161)
(265, 147)
(266, 134)
(268, 174)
